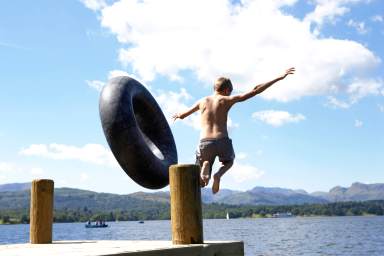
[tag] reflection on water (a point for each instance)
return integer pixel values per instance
(285, 236)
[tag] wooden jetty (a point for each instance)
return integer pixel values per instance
(123, 248)
(186, 220)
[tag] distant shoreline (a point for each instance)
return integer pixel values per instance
(312, 216)
(160, 211)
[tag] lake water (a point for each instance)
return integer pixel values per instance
(285, 236)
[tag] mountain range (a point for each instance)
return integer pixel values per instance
(17, 195)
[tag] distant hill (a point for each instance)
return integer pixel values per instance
(271, 196)
(356, 192)
(69, 198)
(208, 197)
(15, 187)
(256, 196)
(16, 196)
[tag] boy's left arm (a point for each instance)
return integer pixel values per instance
(260, 88)
(186, 113)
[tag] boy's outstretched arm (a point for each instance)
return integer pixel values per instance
(186, 113)
(261, 87)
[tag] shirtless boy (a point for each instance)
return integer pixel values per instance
(214, 140)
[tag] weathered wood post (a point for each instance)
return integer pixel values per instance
(41, 213)
(186, 212)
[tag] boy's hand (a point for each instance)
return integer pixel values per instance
(175, 116)
(287, 72)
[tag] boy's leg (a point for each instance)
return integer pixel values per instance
(205, 158)
(216, 178)
(226, 157)
(205, 173)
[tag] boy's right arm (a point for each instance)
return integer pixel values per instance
(259, 88)
(186, 113)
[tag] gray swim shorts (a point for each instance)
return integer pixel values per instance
(208, 149)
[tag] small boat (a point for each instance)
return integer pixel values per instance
(283, 215)
(97, 225)
(141, 222)
(227, 217)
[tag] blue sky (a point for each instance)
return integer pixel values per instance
(319, 128)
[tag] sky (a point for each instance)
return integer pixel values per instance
(317, 129)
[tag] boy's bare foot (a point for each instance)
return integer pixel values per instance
(216, 184)
(205, 174)
(202, 182)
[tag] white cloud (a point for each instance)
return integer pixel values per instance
(241, 155)
(232, 40)
(9, 170)
(359, 26)
(95, 84)
(84, 176)
(98, 85)
(94, 5)
(174, 102)
(37, 171)
(377, 18)
(362, 88)
(357, 90)
(335, 103)
(232, 125)
(115, 73)
(63, 183)
(277, 118)
(90, 153)
(358, 123)
(241, 173)
(328, 11)
(7, 167)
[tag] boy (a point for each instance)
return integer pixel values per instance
(214, 133)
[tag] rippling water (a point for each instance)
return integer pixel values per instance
(286, 236)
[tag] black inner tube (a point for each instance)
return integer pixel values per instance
(137, 132)
(145, 117)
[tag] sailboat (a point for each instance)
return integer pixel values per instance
(227, 217)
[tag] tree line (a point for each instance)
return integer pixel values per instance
(210, 211)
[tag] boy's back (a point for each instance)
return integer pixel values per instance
(214, 114)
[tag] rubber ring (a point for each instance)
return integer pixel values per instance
(137, 132)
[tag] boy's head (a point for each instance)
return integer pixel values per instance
(223, 86)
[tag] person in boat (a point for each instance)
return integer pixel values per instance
(214, 140)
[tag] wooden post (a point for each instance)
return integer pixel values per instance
(41, 214)
(186, 212)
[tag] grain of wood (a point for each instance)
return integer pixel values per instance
(41, 212)
(186, 211)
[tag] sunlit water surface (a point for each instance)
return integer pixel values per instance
(284, 236)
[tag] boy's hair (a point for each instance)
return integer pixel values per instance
(223, 83)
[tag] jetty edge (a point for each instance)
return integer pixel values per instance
(124, 248)
(186, 221)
